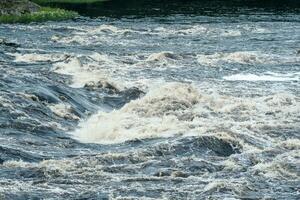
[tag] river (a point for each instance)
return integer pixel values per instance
(180, 101)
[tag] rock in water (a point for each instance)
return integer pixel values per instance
(7, 43)
(17, 7)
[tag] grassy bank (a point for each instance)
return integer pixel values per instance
(45, 14)
(41, 2)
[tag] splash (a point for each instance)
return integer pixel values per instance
(235, 57)
(162, 56)
(253, 77)
(84, 69)
(63, 110)
(155, 115)
(245, 58)
(91, 35)
(36, 57)
(180, 109)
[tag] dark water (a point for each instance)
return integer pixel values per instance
(180, 101)
(121, 8)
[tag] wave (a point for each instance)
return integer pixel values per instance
(96, 34)
(161, 56)
(245, 57)
(209, 31)
(266, 77)
(197, 29)
(154, 115)
(180, 109)
(91, 35)
(85, 70)
(108, 28)
(63, 110)
(35, 57)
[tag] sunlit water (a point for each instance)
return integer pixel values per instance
(156, 107)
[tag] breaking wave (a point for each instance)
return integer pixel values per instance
(244, 57)
(129, 108)
(265, 77)
(180, 109)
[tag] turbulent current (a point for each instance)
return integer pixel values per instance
(153, 107)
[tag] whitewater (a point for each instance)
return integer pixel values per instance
(153, 107)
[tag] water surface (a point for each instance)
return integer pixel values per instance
(191, 102)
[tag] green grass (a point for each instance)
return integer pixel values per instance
(45, 14)
(66, 1)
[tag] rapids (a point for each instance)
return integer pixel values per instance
(147, 105)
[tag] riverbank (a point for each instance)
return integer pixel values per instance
(24, 11)
(44, 14)
(181, 101)
(67, 1)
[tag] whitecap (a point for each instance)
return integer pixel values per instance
(186, 30)
(155, 115)
(161, 56)
(83, 69)
(241, 57)
(63, 110)
(35, 57)
(181, 109)
(245, 57)
(91, 35)
(266, 77)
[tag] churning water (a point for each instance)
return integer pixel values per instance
(173, 106)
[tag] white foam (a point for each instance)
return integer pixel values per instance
(242, 57)
(155, 115)
(255, 29)
(282, 165)
(231, 33)
(86, 71)
(245, 57)
(63, 110)
(35, 57)
(91, 35)
(6, 103)
(253, 77)
(161, 56)
(93, 68)
(108, 28)
(188, 30)
(177, 108)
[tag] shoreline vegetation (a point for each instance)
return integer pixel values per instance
(41, 2)
(25, 11)
(44, 14)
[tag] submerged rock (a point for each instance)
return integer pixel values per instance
(7, 43)
(123, 97)
(163, 56)
(92, 86)
(179, 174)
(17, 7)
